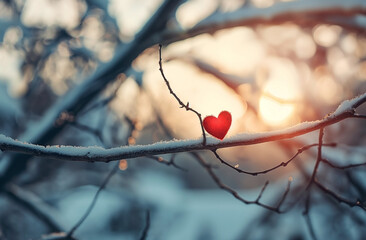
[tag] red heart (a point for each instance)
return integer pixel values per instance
(218, 127)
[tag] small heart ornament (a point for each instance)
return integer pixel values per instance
(218, 127)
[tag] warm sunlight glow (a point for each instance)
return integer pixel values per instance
(262, 3)
(202, 9)
(45, 13)
(273, 112)
(326, 35)
(124, 11)
(237, 58)
(203, 92)
(123, 165)
(280, 93)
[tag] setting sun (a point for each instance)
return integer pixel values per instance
(273, 112)
(280, 93)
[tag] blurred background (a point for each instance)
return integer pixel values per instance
(86, 73)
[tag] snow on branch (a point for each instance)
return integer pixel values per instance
(98, 154)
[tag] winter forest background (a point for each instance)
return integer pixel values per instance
(85, 74)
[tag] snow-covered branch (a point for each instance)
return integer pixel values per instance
(302, 12)
(51, 124)
(97, 154)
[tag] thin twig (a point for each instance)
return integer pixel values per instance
(357, 184)
(97, 133)
(262, 191)
(132, 127)
(186, 106)
(319, 157)
(147, 226)
(166, 162)
(339, 198)
(35, 205)
(282, 200)
(91, 206)
(359, 116)
(306, 215)
(235, 193)
(343, 167)
(282, 164)
(105, 101)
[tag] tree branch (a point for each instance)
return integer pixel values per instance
(302, 12)
(147, 226)
(91, 206)
(221, 185)
(282, 164)
(171, 162)
(98, 154)
(339, 198)
(77, 98)
(306, 215)
(36, 206)
(319, 157)
(342, 167)
(186, 106)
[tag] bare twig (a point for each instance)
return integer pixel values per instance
(357, 184)
(282, 164)
(105, 101)
(91, 206)
(319, 157)
(171, 162)
(339, 198)
(342, 167)
(132, 127)
(209, 169)
(283, 198)
(262, 191)
(186, 106)
(235, 194)
(34, 205)
(147, 226)
(306, 215)
(329, 192)
(96, 132)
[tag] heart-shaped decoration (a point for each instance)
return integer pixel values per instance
(218, 127)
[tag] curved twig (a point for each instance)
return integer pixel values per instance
(91, 206)
(282, 164)
(221, 185)
(186, 106)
